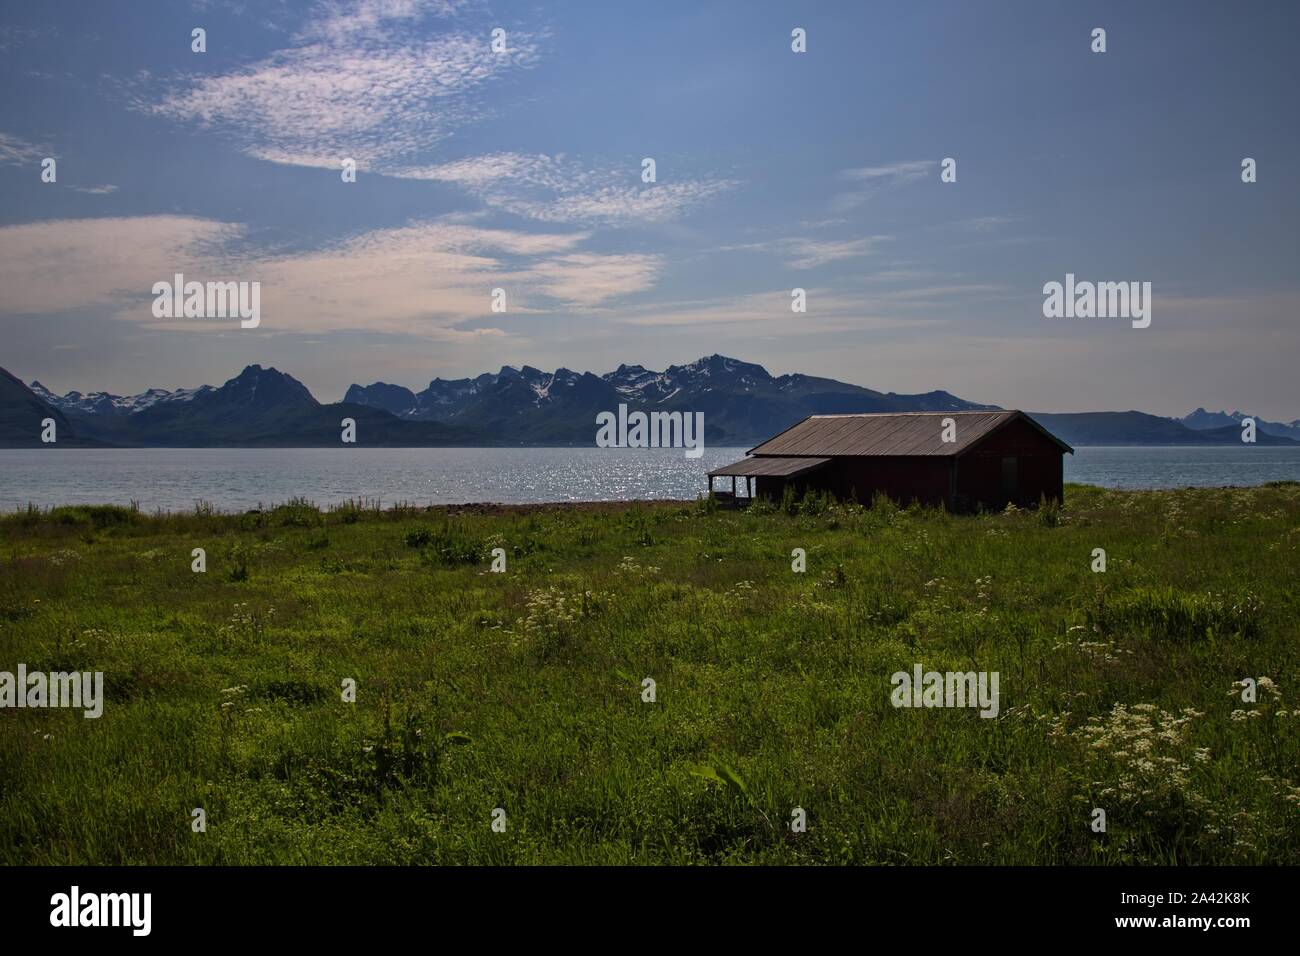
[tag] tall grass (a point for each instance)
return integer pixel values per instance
(523, 690)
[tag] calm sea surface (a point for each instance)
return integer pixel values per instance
(237, 479)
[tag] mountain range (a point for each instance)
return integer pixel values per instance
(742, 404)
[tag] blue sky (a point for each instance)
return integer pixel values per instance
(775, 170)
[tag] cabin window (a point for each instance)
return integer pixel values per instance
(1010, 476)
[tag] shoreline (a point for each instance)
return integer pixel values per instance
(396, 509)
(400, 508)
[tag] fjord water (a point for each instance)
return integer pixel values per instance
(236, 479)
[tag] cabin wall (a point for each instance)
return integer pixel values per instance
(985, 478)
(920, 478)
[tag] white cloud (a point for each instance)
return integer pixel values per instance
(804, 253)
(892, 173)
(358, 85)
(75, 263)
(479, 172)
(822, 223)
(362, 83)
(981, 224)
(427, 278)
(828, 311)
(431, 276)
(561, 190)
(616, 205)
(872, 179)
(15, 151)
(343, 21)
(585, 279)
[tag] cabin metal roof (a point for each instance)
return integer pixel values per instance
(890, 434)
(770, 467)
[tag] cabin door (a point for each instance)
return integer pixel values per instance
(1011, 478)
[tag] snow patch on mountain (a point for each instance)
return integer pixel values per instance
(106, 403)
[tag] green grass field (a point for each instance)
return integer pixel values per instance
(523, 690)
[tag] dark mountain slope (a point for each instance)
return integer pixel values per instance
(21, 414)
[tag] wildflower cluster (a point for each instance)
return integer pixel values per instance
(1101, 652)
(629, 567)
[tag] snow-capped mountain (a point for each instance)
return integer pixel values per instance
(742, 404)
(741, 401)
(105, 403)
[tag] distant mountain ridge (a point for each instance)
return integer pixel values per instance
(740, 401)
(1201, 420)
(259, 407)
(742, 404)
(1139, 428)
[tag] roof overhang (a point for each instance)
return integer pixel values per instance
(770, 467)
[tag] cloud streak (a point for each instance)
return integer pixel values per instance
(556, 189)
(801, 253)
(15, 151)
(870, 180)
(357, 85)
(769, 313)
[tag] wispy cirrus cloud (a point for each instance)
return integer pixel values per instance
(942, 295)
(343, 20)
(869, 180)
(769, 311)
(483, 172)
(889, 173)
(616, 205)
(822, 223)
(803, 253)
(359, 83)
(13, 36)
(558, 189)
(15, 151)
(979, 224)
(588, 280)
